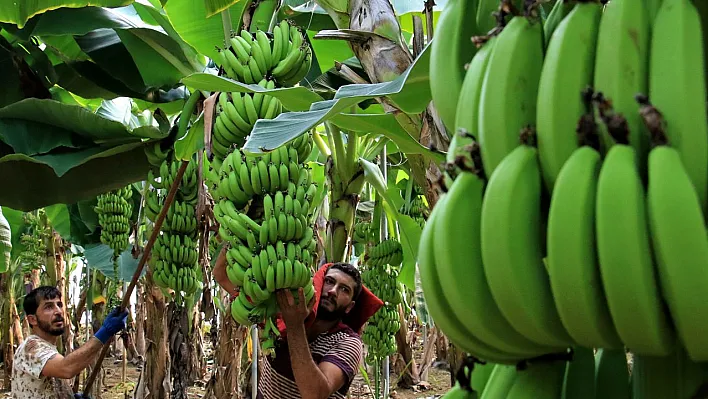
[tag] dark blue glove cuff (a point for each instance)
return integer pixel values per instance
(103, 335)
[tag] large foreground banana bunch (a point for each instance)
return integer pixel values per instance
(576, 198)
(174, 260)
(114, 210)
(585, 373)
(283, 55)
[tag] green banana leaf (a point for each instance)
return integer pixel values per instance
(19, 12)
(60, 153)
(216, 6)
(413, 83)
(410, 231)
(293, 98)
(17, 224)
(192, 142)
(99, 257)
(206, 34)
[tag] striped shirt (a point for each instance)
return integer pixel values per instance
(341, 347)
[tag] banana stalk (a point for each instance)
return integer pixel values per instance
(345, 177)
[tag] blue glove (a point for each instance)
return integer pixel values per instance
(112, 324)
(82, 396)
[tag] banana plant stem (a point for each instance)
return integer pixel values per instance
(148, 248)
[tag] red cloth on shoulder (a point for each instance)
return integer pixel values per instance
(365, 306)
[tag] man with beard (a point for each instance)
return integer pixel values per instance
(39, 370)
(320, 348)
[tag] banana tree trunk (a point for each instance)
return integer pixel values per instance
(9, 325)
(228, 338)
(343, 200)
(179, 349)
(384, 56)
(154, 381)
(197, 357)
(140, 314)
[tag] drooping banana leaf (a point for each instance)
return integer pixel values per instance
(5, 243)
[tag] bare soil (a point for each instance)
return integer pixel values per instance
(117, 386)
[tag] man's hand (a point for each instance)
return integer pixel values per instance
(293, 311)
(112, 324)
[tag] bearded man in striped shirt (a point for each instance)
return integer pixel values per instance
(319, 349)
(319, 361)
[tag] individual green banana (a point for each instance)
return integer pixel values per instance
(460, 270)
(567, 71)
(677, 87)
(509, 91)
(579, 377)
(672, 376)
(560, 10)
(611, 374)
(500, 381)
(437, 305)
(466, 117)
(450, 51)
(512, 251)
(680, 244)
(572, 260)
(621, 68)
(539, 381)
(625, 254)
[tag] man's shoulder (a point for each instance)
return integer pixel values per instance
(33, 346)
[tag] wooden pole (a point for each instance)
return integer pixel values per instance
(146, 253)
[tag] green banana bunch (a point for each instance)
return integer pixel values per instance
(387, 252)
(155, 155)
(114, 210)
(271, 245)
(382, 280)
(362, 233)
(33, 241)
(237, 113)
(175, 256)
(242, 178)
(379, 333)
(252, 57)
(188, 188)
(567, 71)
(178, 278)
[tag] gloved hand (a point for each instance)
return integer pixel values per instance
(112, 324)
(82, 396)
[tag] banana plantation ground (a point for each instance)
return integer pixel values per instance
(120, 378)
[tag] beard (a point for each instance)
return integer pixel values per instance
(47, 327)
(330, 315)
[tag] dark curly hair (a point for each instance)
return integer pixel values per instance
(32, 300)
(353, 272)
